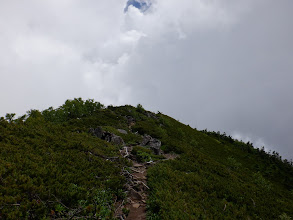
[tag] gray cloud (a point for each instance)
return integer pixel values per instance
(221, 65)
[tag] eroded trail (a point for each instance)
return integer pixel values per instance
(134, 205)
(137, 192)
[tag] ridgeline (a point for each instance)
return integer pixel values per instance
(87, 161)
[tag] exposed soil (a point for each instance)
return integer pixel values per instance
(138, 193)
(137, 189)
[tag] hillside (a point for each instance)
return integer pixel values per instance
(84, 161)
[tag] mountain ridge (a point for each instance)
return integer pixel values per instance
(54, 167)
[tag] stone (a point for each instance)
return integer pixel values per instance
(122, 131)
(145, 140)
(107, 136)
(135, 195)
(154, 143)
(151, 115)
(98, 132)
(113, 138)
(117, 140)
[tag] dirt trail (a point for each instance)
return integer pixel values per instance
(137, 192)
(136, 186)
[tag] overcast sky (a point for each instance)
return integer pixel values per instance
(217, 64)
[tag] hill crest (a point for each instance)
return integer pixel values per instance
(69, 162)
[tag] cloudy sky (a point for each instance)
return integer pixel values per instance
(217, 64)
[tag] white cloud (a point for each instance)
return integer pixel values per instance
(225, 65)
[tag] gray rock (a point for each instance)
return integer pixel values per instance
(151, 115)
(107, 136)
(154, 143)
(117, 140)
(145, 140)
(122, 131)
(98, 132)
(113, 138)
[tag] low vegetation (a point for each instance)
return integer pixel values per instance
(52, 167)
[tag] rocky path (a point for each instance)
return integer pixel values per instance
(133, 207)
(134, 204)
(138, 192)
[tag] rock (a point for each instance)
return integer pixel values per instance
(107, 136)
(135, 195)
(113, 138)
(122, 131)
(117, 140)
(151, 115)
(98, 132)
(154, 143)
(145, 140)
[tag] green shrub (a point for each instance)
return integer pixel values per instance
(140, 109)
(50, 166)
(144, 154)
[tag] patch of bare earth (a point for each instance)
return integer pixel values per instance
(137, 192)
(133, 207)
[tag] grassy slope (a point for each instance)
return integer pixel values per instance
(51, 166)
(49, 169)
(217, 179)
